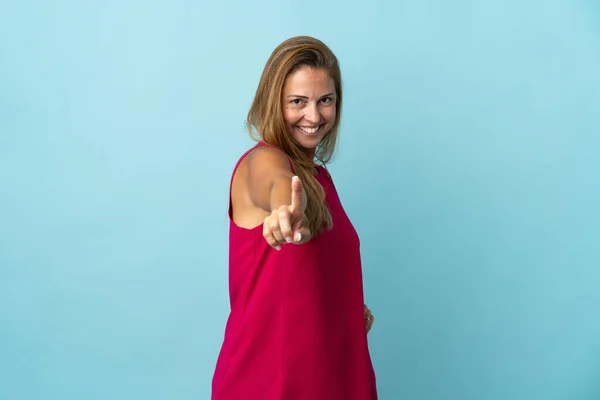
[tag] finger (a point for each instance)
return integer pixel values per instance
(268, 235)
(285, 225)
(301, 231)
(370, 320)
(296, 206)
(275, 227)
(302, 235)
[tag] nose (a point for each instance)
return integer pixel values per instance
(312, 114)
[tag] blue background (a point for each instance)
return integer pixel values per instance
(468, 162)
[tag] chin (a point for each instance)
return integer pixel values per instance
(308, 143)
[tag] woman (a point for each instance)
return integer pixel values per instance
(297, 323)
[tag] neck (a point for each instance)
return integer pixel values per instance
(310, 153)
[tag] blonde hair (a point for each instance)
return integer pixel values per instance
(265, 119)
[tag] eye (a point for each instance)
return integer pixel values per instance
(326, 100)
(296, 102)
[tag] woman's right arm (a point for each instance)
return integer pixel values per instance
(273, 188)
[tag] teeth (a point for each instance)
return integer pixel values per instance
(309, 130)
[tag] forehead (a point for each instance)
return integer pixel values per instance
(309, 81)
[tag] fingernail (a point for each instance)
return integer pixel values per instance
(277, 248)
(298, 237)
(288, 239)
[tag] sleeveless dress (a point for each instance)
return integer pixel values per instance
(296, 330)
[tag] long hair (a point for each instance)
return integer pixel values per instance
(265, 119)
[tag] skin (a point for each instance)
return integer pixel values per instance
(309, 101)
(264, 189)
(369, 318)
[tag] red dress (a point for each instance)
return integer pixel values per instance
(296, 328)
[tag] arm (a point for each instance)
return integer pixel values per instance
(274, 189)
(269, 178)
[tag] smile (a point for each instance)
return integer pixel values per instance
(309, 131)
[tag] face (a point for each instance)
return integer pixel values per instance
(309, 111)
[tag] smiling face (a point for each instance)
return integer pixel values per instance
(309, 106)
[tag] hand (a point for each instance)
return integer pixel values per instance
(288, 224)
(369, 318)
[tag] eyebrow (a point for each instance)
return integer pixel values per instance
(304, 97)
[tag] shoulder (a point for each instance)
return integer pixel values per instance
(259, 171)
(268, 158)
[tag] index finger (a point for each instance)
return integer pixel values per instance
(296, 206)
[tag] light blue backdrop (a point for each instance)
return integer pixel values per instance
(468, 163)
